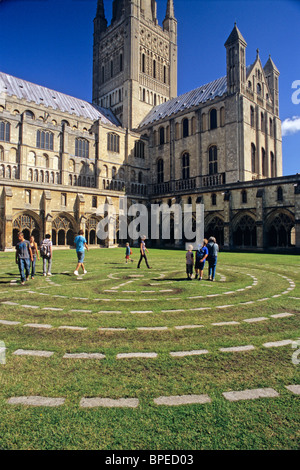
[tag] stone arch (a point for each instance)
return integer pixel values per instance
(64, 227)
(279, 229)
(244, 230)
(29, 223)
(214, 227)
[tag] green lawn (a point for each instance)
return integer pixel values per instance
(188, 315)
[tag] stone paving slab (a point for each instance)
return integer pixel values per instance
(294, 388)
(141, 311)
(282, 315)
(251, 394)
(75, 328)
(84, 356)
(7, 322)
(133, 355)
(238, 348)
(110, 311)
(109, 402)
(189, 353)
(183, 327)
(277, 344)
(152, 328)
(38, 325)
(223, 323)
(253, 320)
(112, 329)
(36, 401)
(55, 309)
(28, 352)
(182, 400)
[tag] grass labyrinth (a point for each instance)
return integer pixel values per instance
(127, 358)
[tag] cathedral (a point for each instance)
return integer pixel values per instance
(138, 141)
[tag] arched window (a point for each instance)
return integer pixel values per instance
(140, 177)
(29, 114)
(139, 149)
(252, 122)
(271, 127)
(279, 194)
(121, 62)
(113, 142)
(44, 140)
(1, 154)
(213, 199)
(213, 160)
(143, 63)
(154, 68)
(161, 135)
(253, 158)
(213, 119)
(185, 166)
(258, 89)
(245, 232)
(81, 148)
(160, 171)
(264, 162)
(244, 196)
(222, 116)
(4, 131)
(262, 122)
(185, 127)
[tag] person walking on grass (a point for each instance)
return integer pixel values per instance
(46, 254)
(35, 254)
(128, 252)
(213, 249)
(23, 257)
(143, 251)
(81, 245)
(189, 257)
(201, 255)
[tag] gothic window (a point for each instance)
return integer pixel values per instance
(143, 63)
(213, 119)
(139, 149)
(244, 196)
(165, 74)
(252, 117)
(185, 166)
(264, 162)
(94, 201)
(245, 232)
(4, 131)
(185, 127)
(213, 199)
(280, 231)
(154, 68)
(113, 172)
(63, 199)
(81, 148)
(160, 171)
(113, 142)
(258, 89)
(121, 62)
(140, 177)
(1, 154)
(29, 114)
(279, 194)
(271, 127)
(161, 135)
(44, 140)
(253, 158)
(213, 160)
(262, 122)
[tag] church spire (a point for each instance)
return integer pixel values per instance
(100, 22)
(170, 10)
(100, 9)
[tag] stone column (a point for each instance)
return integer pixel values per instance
(227, 212)
(8, 218)
(259, 218)
(297, 216)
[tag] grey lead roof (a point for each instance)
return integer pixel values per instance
(186, 101)
(38, 94)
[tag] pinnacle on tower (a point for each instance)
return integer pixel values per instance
(170, 10)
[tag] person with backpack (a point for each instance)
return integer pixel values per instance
(213, 249)
(46, 254)
(201, 255)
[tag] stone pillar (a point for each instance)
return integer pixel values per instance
(7, 218)
(46, 213)
(297, 217)
(259, 219)
(227, 212)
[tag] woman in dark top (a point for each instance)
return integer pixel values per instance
(35, 254)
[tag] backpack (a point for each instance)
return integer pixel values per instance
(44, 250)
(199, 255)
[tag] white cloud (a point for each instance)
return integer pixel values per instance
(290, 125)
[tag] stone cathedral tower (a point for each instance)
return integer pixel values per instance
(134, 59)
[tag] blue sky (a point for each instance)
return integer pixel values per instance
(49, 42)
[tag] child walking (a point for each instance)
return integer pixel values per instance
(128, 252)
(189, 262)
